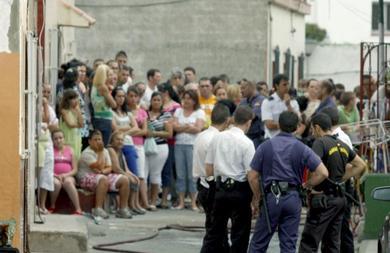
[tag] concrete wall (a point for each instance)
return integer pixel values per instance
(214, 36)
(341, 62)
(5, 23)
(288, 32)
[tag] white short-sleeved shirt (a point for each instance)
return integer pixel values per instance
(145, 100)
(88, 156)
(271, 110)
(201, 145)
(186, 138)
(231, 154)
(342, 136)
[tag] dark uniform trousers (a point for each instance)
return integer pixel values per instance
(285, 215)
(323, 224)
(203, 199)
(231, 204)
(206, 199)
(347, 244)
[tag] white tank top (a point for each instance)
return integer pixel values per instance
(123, 121)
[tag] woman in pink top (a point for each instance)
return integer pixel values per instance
(65, 167)
(141, 116)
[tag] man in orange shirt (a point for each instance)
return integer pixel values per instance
(207, 99)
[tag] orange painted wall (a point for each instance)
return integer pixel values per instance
(10, 171)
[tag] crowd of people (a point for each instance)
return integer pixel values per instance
(152, 144)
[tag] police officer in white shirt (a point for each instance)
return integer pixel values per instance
(228, 159)
(277, 103)
(219, 121)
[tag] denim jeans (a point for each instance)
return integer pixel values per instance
(183, 159)
(104, 126)
(131, 158)
(166, 174)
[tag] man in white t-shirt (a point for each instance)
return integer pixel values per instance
(154, 78)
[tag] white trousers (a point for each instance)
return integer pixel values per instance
(154, 164)
(140, 160)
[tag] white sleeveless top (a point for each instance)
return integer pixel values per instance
(123, 121)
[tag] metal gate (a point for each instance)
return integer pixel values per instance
(372, 132)
(373, 75)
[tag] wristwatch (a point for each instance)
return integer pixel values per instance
(209, 178)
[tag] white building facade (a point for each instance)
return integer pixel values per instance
(347, 23)
(287, 38)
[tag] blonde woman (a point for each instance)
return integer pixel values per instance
(102, 101)
(234, 93)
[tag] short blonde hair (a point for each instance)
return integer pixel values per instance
(100, 75)
(219, 86)
(233, 92)
(192, 86)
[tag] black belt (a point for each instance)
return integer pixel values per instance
(230, 184)
(289, 188)
(284, 191)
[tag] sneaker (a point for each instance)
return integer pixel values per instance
(112, 210)
(133, 212)
(99, 212)
(138, 211)
(123, 213)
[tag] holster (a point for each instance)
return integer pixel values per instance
(303, 195)
(210, 195)
(228, 185)
(318, 201)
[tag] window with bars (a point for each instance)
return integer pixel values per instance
(375, 16)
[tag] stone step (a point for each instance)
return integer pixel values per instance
(59, 233)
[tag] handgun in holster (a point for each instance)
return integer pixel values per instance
(228, 184)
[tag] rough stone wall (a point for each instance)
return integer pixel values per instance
(214, 36)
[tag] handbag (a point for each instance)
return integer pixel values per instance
(150, 146)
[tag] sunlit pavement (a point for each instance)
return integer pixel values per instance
(168, 241)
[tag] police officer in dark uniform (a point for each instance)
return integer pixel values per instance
(327, 201)
(280, 163)
(346, 239)
(251, 98)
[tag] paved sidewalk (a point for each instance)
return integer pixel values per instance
(60, 231)
(168, 241)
